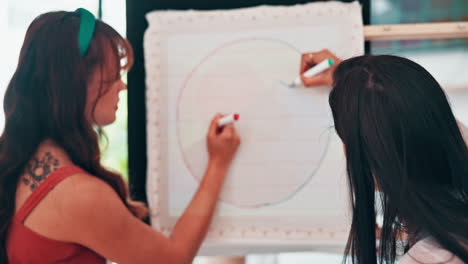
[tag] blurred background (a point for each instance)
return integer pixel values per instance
(15, 17)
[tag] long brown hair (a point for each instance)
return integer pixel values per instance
(46, 99)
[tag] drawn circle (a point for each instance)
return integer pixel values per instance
(284, 131)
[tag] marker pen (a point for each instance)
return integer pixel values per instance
(313, 71)
(228, 119)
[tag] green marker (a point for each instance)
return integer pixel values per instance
(313, 71)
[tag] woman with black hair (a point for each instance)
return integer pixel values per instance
(401, 139)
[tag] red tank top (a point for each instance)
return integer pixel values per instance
(26, 246)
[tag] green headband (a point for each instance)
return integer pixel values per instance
(85, 34)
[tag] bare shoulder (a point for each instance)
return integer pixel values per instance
(86, 190)
(47, 159)
(87, 204)
(84, 183)
(80, 198)
(76, 207)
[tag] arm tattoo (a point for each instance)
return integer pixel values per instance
(38, 169)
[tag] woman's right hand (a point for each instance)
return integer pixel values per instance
(222, 143)
(84, 220)
(311, 59)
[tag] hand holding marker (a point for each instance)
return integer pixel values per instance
(227, 120)
(322, 66)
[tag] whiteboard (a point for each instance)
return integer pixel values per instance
(286, 189)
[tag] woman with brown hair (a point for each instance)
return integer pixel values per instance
(58, 204)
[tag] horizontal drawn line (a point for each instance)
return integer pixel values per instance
(311, 162)
(280, 141)
(245, 120)
(291, 93)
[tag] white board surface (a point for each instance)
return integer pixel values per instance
(286, 189)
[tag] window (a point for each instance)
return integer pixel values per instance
(15, 17)
(445, 59)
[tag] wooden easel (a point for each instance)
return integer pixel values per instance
(445, 30)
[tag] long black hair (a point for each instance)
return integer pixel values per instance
(402, 139)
